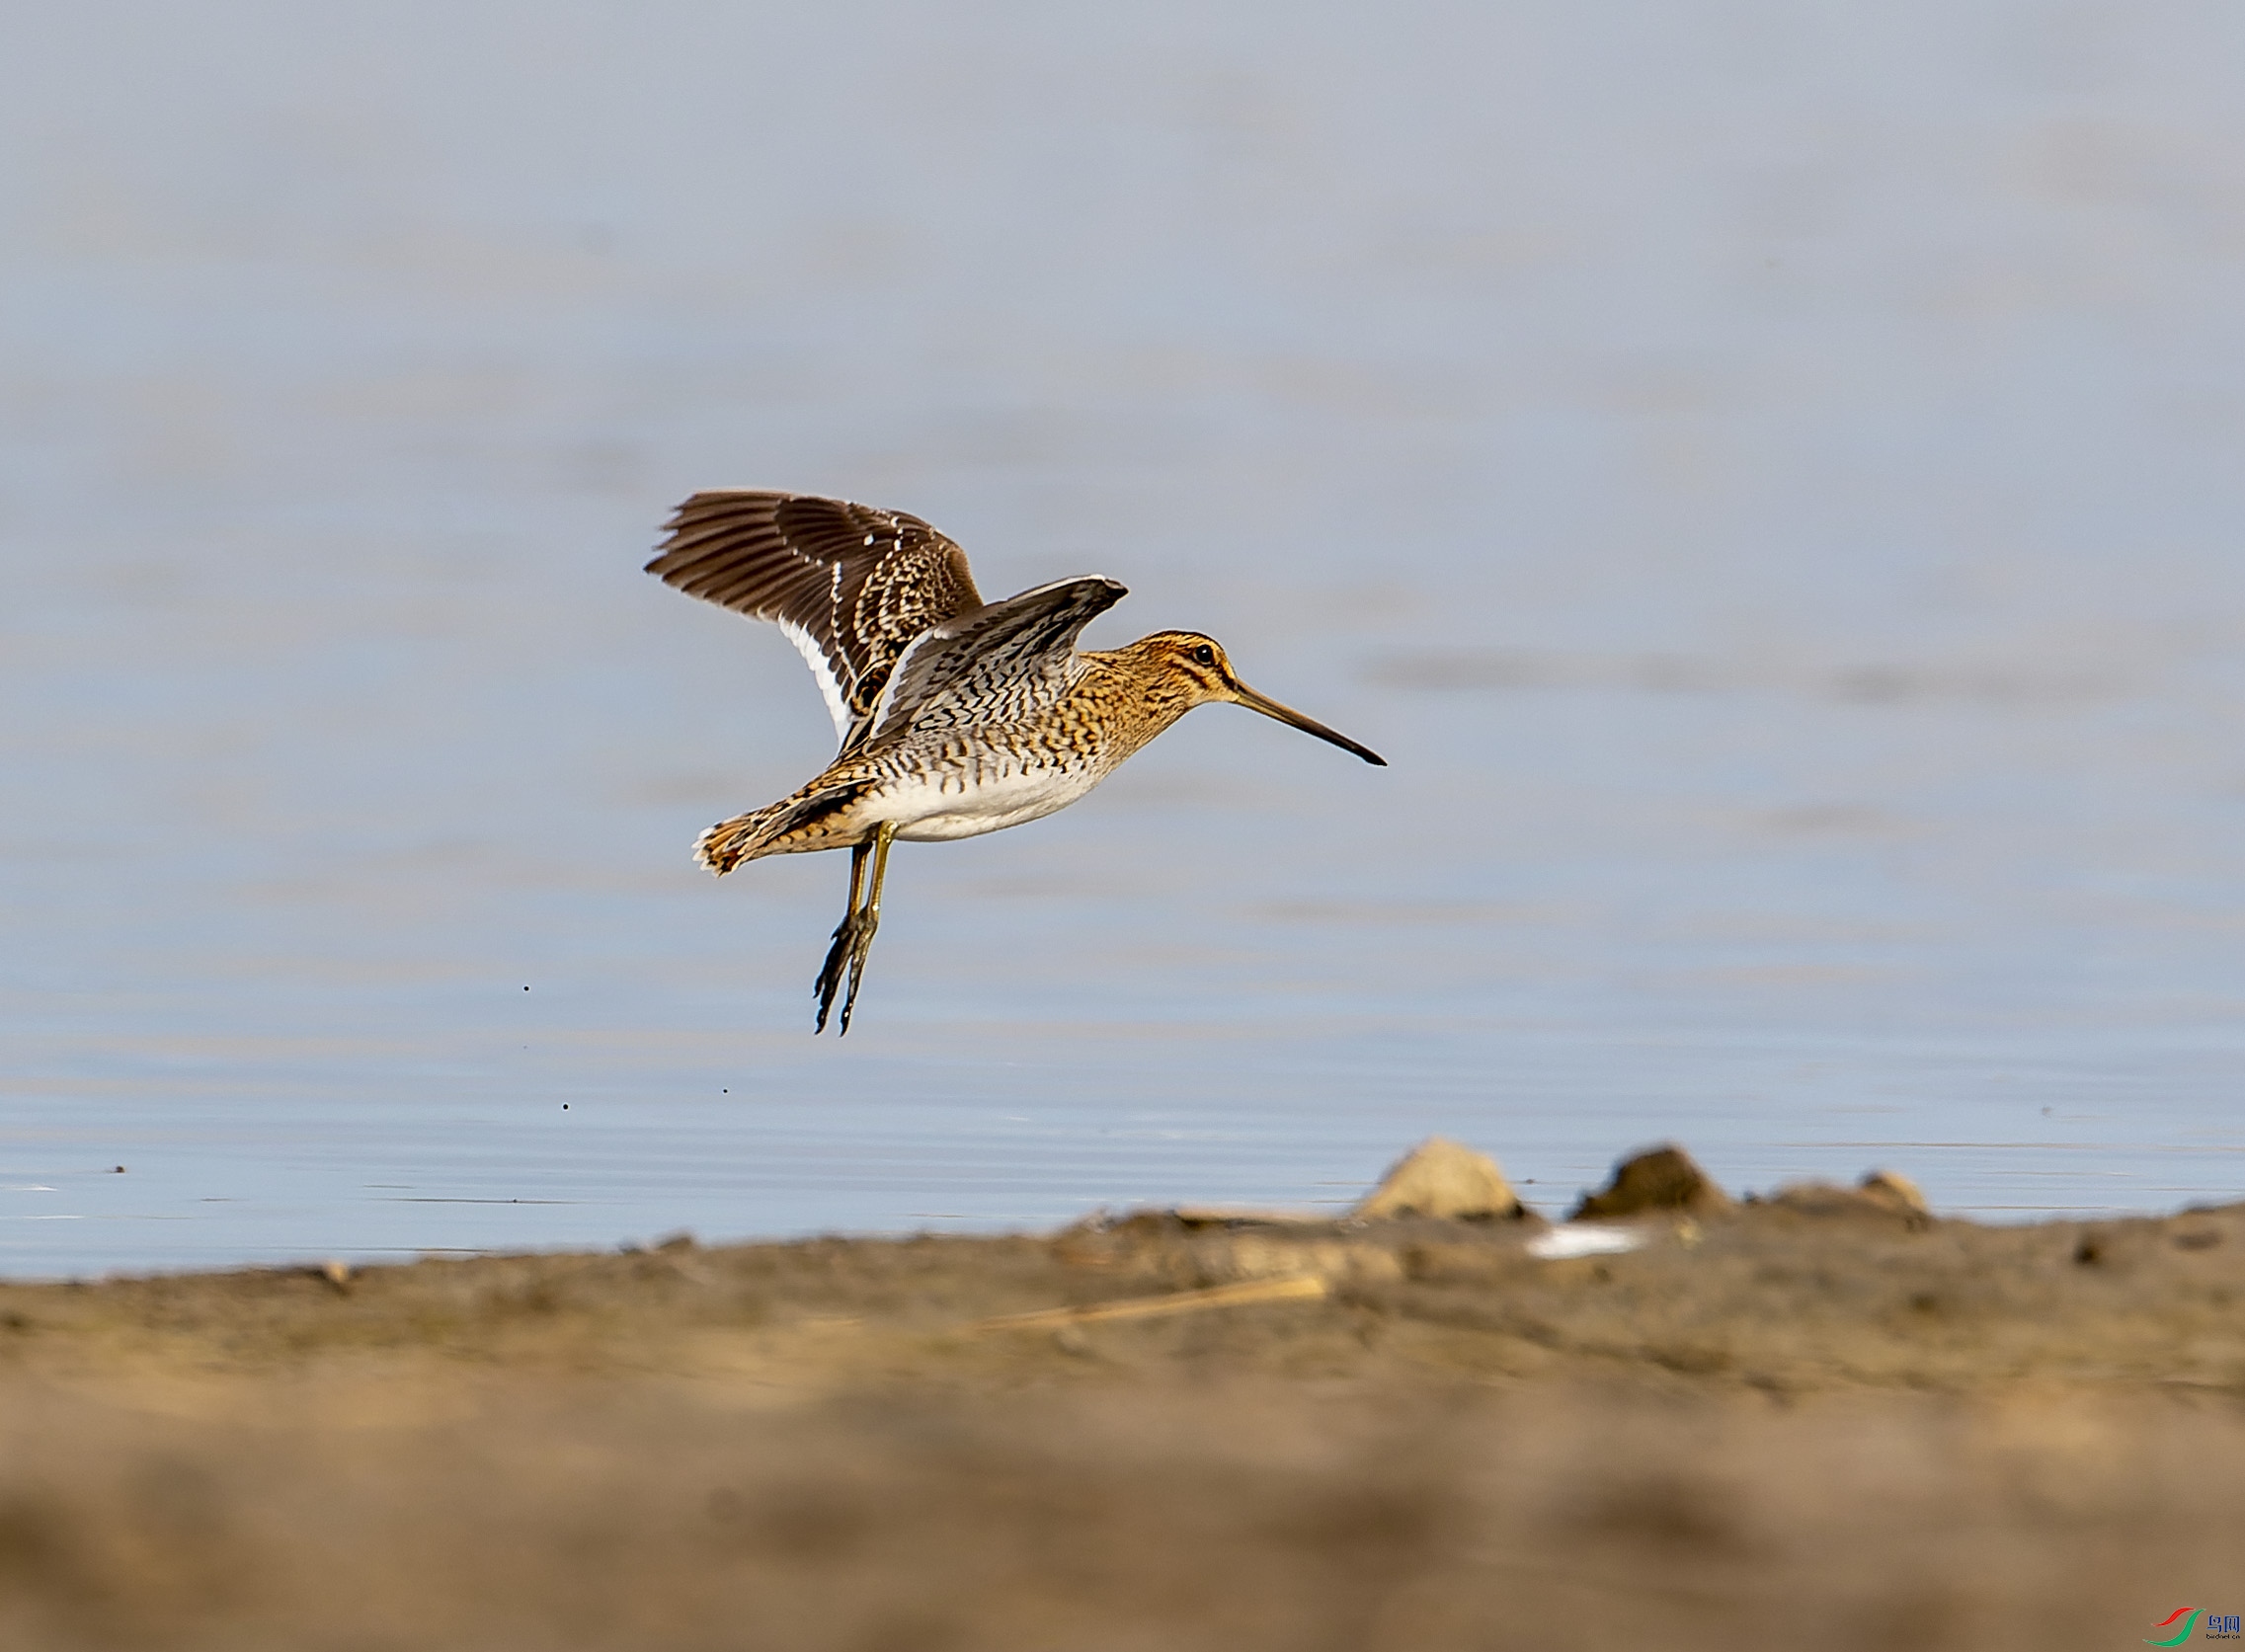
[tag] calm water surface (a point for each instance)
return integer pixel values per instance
(1768, 483)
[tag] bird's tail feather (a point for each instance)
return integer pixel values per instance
(784, 827)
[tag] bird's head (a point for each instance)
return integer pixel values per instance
(1195, 669)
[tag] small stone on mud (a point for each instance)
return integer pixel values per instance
(336, 1274)
(1661, 1178)
(1882, 1199)
(1896, 1191)
(1444, 1179)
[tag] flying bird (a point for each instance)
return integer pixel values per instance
(956, 716)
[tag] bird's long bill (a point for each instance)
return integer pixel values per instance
(1307, 725)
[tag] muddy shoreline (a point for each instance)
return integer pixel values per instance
(1808, 1422)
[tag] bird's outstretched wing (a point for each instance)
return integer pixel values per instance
(851, 585)
(1003, 663)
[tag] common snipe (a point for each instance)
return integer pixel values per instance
(956, 716)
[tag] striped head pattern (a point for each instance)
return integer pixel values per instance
(1180, 670)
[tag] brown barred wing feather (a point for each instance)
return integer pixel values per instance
(1007, 662)
(851, 585)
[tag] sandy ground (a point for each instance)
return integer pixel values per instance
(1778, 1426)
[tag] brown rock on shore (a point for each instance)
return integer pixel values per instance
(1659, 1179)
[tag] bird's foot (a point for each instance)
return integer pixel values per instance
(853, 936)
(862, 942)
(830, 972)
(852, 939)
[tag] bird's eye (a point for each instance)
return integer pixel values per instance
(1204, 654)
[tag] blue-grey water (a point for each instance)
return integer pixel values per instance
(1768, 479)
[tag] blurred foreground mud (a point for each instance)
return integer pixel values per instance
(1816, 1421)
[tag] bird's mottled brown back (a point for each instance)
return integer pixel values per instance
(851, 583)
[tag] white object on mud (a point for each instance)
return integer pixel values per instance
(1584, 1240)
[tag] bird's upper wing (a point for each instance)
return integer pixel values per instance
(1003, 663)
(851, 585)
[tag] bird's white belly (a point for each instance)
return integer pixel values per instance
(933, 809)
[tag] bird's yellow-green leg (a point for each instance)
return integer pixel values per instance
(869, 917)
(830, 972)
